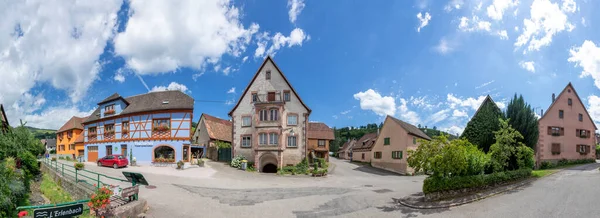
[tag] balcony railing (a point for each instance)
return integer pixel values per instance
(264, 98)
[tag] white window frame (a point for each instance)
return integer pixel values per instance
(273, 114)
(319, 142)
(246, 118)
(582, 148)
(295, 119)
(273, 138)
(292, 141)
(246, 141)
(263, 138)
(263, 115)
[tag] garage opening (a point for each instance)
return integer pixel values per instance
(269, 168)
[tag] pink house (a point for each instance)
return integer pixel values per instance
(566, 129)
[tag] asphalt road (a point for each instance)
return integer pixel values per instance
(351, 190)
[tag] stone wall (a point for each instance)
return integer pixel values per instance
(78, 191)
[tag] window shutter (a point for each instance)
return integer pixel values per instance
(577, 147)
(549, 130)
(587, 149)
(577, 133)
(562, 131)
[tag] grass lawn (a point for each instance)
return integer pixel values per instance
(545, 172)
(53, 191)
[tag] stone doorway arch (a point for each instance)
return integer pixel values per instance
(268, 163)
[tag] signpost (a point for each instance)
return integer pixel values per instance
(135, 179)
(130, 192)
(59, 212)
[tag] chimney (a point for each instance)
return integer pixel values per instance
(553, 97)
(542, 114)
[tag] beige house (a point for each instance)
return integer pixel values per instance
(566, 129)
(270, 121)
(395, 139)
(346, 151)
(361, 151)
(208, 131)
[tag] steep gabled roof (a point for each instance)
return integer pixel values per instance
(487, 98)
(153, 101)
(318, 130)
(217, 129)
(413, 130)
(79, 138)
(578, 99)
(256, 75)
(112, 98)
(50, 142)
(73, 123)
(347, 145)
(366, 142)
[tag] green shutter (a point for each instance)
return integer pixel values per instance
(386, 141)
(414, 140)
(400, 154)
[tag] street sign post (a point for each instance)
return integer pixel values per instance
(59, 212)
(135, 179)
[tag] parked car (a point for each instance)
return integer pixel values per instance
(114, 160)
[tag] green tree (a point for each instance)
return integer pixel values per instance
(522, 118)
(508, 153)
(480, 129)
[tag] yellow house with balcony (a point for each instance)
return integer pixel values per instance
(69, 138)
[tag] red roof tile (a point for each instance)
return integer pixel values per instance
(218, 129)
(73, 123)
(320, 131)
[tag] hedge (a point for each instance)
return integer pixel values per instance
(564, 162)
(437, 184)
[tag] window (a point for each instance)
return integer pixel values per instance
(109, 109)
(286, 95)
(246, 141)
(580, 117)
(92, 132)
(581, 133)
(161, 124)
(414, 140)
(363, 156)
(109, 150)
(321, 143)
(555, 131)
(92, 148)
(70, 134)
(246, 121)
(377, 155)
(274, 114)
(268, 75)
(561, 114)
(292, 119)
(61, 148)
(271, 96)
(72, 147)
(109, 128)
(254, 97)
(396, 154)
(570, 102)
(555, 148)
(582, 149)
(125, 127)
(262, 138)
(386, 141)
(262, 114)
(273, 139)
(292, 142)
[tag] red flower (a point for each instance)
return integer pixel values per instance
(22, 213)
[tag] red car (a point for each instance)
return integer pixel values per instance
(114, 160)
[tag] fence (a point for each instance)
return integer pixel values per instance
(224, 154)
(92, 179)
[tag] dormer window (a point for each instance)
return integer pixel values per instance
(109, 109)
(268, 75)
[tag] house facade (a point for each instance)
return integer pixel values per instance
(566, 130)
(4, 125)
(361, 151)
(270, 121)
(211, 129)
(346, 151)
(155, 125)
(319, 137)
(49, 144)
(69, 138)
(396, 138)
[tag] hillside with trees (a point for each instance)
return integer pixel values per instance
(42, 133)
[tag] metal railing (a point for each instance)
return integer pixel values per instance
(80, 175)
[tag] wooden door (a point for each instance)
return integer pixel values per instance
(186, 153)
(92, 153)
(124, 150)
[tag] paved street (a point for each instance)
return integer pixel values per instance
(351, 190)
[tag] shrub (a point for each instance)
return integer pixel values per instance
(53, 159)
(565, 162)
(180, 165)
(508, 153)
(288, 170)
(546, 165)
(443, 158)
(437, 184)
(61, 157)
(302, 167)
(236, 162)
(52, 152)
(525, 157)
(67, 158)
(30, 163)
(79, 166)
(200, 162)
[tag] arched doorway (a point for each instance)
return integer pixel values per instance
(268, 163)
(164, 152)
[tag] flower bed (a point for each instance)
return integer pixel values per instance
(437, 188)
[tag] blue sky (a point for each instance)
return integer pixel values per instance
(353, 62)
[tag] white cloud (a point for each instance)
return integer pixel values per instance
(231, 91)
(472, 103)
(546, 20)
(569, 6)
(485, 84)
(474, 24)
(594, 108)
(444, 47)
(407, 115)
(229, 102)
(335, 117)
(345, 112)
(226, 71)
(500, 104)
(192, 34)
(454, 5)
(503, 34)
(119, 77)
(244, 59)
(454, 130)
(528, 65)
(296, 7)
(278, 41)
(423, 20)
(438, 116)
(587, 56)
(421, 102)
(39, 45)
(172, 86)
(497, 8)
(372, 100)
(459, 113)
